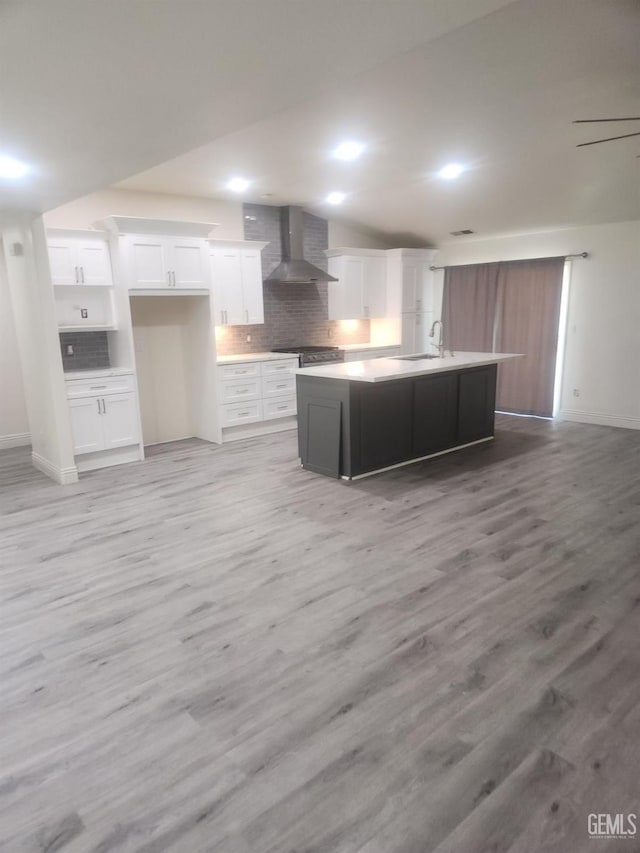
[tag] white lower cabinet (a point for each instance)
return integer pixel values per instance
(86, 425)
(254, 391)
(102, 418)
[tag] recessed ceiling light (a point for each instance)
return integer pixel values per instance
(349, 150)
(336, 198)
(238, 185)
(10, 168)
(451, 171)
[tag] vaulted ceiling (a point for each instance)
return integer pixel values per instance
(93, 94)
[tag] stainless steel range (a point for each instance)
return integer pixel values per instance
(310, 356)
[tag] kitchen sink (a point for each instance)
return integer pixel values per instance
(422, 357)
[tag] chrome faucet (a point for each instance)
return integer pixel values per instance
(439, 346)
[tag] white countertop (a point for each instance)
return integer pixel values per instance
(384, 369)
(99, 373)
(364, 347)
(255, 356)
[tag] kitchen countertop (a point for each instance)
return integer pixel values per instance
(385, 369)
(97, 373)
(363, 347)
(255, 356)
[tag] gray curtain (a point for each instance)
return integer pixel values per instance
(527, 321)
(469, 307)
(510, 306)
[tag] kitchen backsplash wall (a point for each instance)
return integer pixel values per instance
(293, 313)
(90, 350)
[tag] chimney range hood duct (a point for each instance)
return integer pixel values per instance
(294, 269)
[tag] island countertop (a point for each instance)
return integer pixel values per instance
(385, 369)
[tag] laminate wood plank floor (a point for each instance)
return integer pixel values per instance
(215, 650)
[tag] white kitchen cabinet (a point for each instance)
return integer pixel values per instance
(361, 290)
(236, 274)
(415, 333)
(119, 420)
(255, 391)
(75, 261)
(410, 280)
(86, 425)
(155, 262)
(104, 413)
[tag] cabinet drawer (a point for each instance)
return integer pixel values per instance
(236, 392)
(278, 386)
(241, 413)
(238, 371)
(99, 386)
(278, 368)
(279, 407)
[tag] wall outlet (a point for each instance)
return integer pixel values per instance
(576, 392)
(248, 339)
(69, 349)
(84, 313)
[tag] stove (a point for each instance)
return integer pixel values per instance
(309, 356)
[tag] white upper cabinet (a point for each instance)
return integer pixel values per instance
(148, 265)
(79, 260)
(155, 262)
(188, 261)
(411, 279)
(236, 273)
(361, 289)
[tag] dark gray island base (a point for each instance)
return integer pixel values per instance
(349, 428)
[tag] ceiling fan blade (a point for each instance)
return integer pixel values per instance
(594, 120)
(609, 139)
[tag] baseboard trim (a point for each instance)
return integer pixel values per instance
(18, 439)
(63, 476)
(598, 419)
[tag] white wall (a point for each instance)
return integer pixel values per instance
(85, 212)
(602, 353)
(14, 426)
(341, 234)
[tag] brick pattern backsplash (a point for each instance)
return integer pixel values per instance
(293, 313)
(90, 350)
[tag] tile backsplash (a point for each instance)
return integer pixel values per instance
(293, 313)
(90, 350)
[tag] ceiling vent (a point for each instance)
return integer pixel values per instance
(462, 233)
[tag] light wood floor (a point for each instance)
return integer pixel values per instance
(218, 651)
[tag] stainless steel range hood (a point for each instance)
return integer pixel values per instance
(294, 269)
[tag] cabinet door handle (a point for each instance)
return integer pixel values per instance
(281, 386)
(81, 275)
(77, 277)
(242, 391)
(173, 276)
(98, 387)
(280, 408)
(98, 402)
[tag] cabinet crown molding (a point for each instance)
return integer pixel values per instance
(79, 233)
(117, 224)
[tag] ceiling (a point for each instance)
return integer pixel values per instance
(93, 93)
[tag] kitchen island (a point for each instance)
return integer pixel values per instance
(362, 417)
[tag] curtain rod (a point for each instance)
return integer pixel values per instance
(566, 257)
